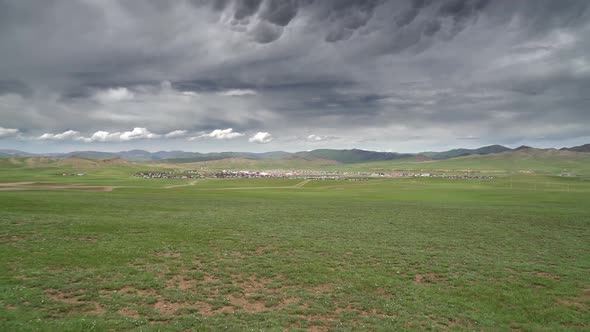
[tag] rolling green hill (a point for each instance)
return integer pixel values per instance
(528, 160)
(261, 164)
(465, 152)
(351, 156)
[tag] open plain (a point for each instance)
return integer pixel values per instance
(110, 251)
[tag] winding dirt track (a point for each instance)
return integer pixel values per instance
(10, 186)
(18, 186)
(192, 183)
(297, 185)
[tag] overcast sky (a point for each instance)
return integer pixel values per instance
(263, 75)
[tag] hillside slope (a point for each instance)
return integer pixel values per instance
(351, 156)
(526, 159)
(465, 152)
(579, 148)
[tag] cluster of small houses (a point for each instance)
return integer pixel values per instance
(168, 175)
(306, 175)
(302, 174)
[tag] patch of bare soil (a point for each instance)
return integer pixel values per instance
(9, 307)
(60, 296)
(168, 254)
(80, 305)
(580, 301)
(209, 279)
(169, 308)
(248, 306)
(98, 309)
(547, 275)
(318, 317)
(11, 238)
(24, 277)
(130, 290)
(260, 250)
(128, 312)
(89, 239)
(248, 294)
(461, 323)
(251, 286)
(372, 312)
(179, 282)
(175, 308)
(427, 279)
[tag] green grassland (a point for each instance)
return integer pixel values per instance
(533, 160)
(509, 253)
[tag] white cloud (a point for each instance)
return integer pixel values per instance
(103, 136)
(66, 135)
(261, 138)
(228, 133)
(113, 95)
(238, 93)
(136, 133)
(319, 138)
(176, 134)
(8, 132)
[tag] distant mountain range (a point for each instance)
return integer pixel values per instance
(579, 148)
(340, 156)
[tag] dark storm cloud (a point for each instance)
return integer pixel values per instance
(280, 12)
(340, 17)
(246, 8)
(10, 86)
(265, 33)
(360, 70)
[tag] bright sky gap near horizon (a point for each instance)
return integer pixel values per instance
(264, 75)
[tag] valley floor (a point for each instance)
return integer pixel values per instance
(510, 253)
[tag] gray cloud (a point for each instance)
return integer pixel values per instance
(265, 32)
(280, 12)
(371, 73)
(246, 8)
(8, 132)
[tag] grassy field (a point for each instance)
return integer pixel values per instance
(390, 255)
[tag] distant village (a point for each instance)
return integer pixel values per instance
(300, 174)
(168, 175)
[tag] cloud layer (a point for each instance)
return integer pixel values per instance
(405, 75)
